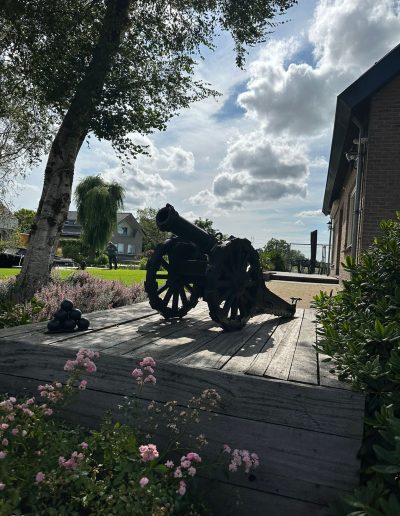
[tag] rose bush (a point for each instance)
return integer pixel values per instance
(49, 468)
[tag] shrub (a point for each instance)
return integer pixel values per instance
(359, 329)
(49, 468)
(87, 292)
(143, 263)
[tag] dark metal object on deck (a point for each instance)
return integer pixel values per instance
(226, 274)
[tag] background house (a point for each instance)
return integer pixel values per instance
(8, 222)
(363, 183)
(128, 235)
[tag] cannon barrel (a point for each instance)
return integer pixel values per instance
(168, 219)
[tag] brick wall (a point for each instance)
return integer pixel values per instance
(382, 173)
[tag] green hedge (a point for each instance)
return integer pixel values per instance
(360, 331)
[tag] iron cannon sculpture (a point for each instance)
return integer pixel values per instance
(226, 274)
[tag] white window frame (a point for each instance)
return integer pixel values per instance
(131, 249)
(120, 248)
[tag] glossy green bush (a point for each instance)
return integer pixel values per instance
(359, 329)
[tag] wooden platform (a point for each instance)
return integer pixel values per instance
(278, 398)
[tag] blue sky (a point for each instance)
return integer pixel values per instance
(255, 159)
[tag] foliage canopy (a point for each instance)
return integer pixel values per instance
(46, 48)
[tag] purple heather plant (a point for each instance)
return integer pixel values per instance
(87, 292)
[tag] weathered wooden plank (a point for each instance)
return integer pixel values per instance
(305, 364)
(107, 338)
(266, 354)
(222, 348)
(151, 333)
(279, 366)
(224, 498)
(168, 346)
(305, 465)
(302, 406)
(98, 320)
(245, 356)
(206, 333)
(327, 375)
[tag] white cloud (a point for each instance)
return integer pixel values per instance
(176, 160)
(292, 103)
(142, 188)
(299, 99)
(262, 158)
(310, 213)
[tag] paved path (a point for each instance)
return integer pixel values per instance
(288, 289)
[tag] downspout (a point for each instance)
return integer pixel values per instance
(357, 199)
(330, 226)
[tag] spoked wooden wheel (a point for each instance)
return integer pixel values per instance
(232, 282)
(169, 293)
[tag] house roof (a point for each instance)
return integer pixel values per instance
(72, 215)
(352, 104)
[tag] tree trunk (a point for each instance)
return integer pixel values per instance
(52, 212)
(57, 188)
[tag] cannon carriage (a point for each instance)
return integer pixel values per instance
(194, 264)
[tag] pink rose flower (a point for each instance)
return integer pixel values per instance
(3, 454)
(4, 442)
(147, 361)
(169, 464)
(191, 471)
(84, 445)
(40, 477)
(150, 379)
(182, 488)
(15, 431)
(193, 456)
(178, 473)
(82, 385)
(148, 452)
(2, 486)
(137, 373)
(143, 482)
(226, 449)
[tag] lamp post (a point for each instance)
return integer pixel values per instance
(330, 227)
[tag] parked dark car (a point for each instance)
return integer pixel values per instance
(11, 258)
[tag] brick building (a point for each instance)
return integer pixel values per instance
(363, 183)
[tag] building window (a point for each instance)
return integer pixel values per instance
(350, 218)
(131, 249)
(122, 230)
(67, 222)
(121, 248)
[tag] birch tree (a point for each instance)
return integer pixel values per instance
(108, 68)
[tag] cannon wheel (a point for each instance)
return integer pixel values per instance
(232, 282)
(168, 293)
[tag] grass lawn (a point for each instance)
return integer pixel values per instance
(125, 276)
